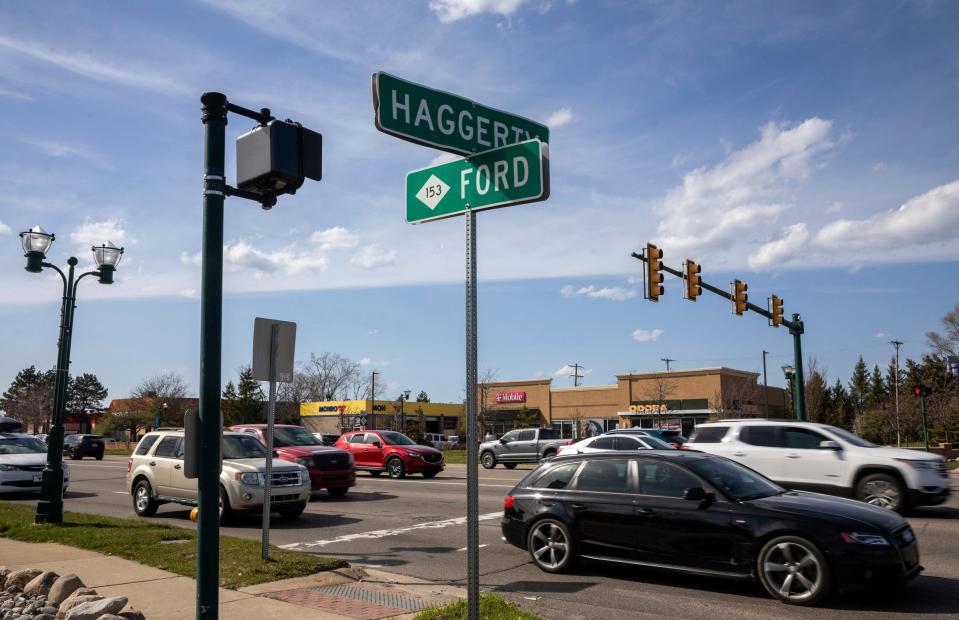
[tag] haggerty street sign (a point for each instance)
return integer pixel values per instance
(446, 121)
(510, 175)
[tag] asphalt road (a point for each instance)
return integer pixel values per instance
(416, 527)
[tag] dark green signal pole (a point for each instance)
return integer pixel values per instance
(795, 326)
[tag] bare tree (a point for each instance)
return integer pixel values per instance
(328, 376)
(483, 388)
(160, 396)
(658, 390)
(946, 343)
(733, 396)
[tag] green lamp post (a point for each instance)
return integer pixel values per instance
(36, 242)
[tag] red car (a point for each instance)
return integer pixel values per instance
(392, 452)
(330, 468)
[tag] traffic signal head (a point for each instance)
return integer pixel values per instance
(740, 298)
(777, 310)
(693, 288)
(654, 272)
(922, 390)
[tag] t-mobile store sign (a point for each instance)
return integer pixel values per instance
(511, 397)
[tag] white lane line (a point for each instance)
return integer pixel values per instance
(121, 492)
(431, 525)
(480, 547)
(460, 484)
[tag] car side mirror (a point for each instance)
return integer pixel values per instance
(503, 441)
(377, 444)
(829, 445)
(698, 494)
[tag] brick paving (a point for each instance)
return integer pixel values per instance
(361, 601)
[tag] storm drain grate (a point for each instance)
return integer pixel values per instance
(362, 601)
(377, 596)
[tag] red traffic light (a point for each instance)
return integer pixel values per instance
(922, 390)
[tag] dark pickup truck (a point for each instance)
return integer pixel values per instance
(524, 445)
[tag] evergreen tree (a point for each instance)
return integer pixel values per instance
(876, 395)
(85, 392)
(422, 397)
(30, 398)
(243, 404)
(840, 411)
(859, 386)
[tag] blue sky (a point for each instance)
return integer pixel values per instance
(810, 149)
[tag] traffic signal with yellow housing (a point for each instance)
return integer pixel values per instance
(693, 288)
(740, 298)
(776, 304)
(654, 272)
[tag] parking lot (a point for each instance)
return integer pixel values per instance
(416, 527)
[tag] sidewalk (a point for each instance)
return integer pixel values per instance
(366, 594)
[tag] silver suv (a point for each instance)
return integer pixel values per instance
(155, 476)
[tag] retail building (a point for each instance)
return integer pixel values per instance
(339, 416)
(676, 399)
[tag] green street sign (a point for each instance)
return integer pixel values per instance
(446, 121)
(510, 175)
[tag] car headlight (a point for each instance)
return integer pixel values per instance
(416, 455)
(305, 461)
(251, 478)
(865, 538)
(5, 467)
(921, 465)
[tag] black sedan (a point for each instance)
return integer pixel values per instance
(704, 514)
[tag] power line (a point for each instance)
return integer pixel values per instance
(667, 360)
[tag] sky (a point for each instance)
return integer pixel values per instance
(810, 149)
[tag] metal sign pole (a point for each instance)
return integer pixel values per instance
(472, 447)
(270, 411)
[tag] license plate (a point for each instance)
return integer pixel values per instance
(37, 477)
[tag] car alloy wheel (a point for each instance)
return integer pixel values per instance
(143, 502)
(550, 546)
(488, 460)
(395, 468)
(882, 491)
(793, 570)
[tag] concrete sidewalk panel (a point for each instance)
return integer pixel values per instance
(16, 554)
(173, 598)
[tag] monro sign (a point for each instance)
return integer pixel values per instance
(446, 121)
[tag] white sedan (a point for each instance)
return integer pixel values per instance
(605, 443)
(22, 459)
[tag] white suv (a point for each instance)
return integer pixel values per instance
(823, 458)
(155, 476)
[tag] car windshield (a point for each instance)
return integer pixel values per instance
(740, 483)
(293, 436)
(21, 445)
(855, 440)
(397, 439)
(242, 447)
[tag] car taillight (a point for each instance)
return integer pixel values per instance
(569, 443)
(129, 465)
(684, 447)
(508, 502)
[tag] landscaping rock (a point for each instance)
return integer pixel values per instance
(62, 588)
(21, 577)
(92, 610)
(4, 571)
(73, 601)
(84, 592)
(110, 617)
(41, 583)
(132, 614)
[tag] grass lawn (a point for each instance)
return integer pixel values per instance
(952, 464)
(492, 607)
(455, 457)
(121, 451)
(164, 546)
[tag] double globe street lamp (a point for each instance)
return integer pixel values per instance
(36, 242)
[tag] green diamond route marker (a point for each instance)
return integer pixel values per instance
(446, 121)
(510, 175)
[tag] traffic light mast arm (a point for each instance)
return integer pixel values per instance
(791, 325)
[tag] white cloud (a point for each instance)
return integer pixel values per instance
(927, 218)
(780, 250)
(452, 10)
(835, 206)
(366, 361)
(91, 233)
(12, 94)
(443, 158)
(68, 151)
(880, 166)
(373, 256)
(647, 335)
(4, 229)
(880, 335)
(372, 332)
(713, 206)
(90, 67)
(335, 238)
(679, 160)
(560, 117)
(568, 370)
(189, 293)
(614, 293)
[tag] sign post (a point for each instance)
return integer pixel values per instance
(507, 164)
(273, 345)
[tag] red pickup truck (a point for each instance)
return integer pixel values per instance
(330, 468)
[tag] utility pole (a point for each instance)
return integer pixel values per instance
(373, 399)
(576, 376)
(765, 384)
(897, 344)
(667, 360)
